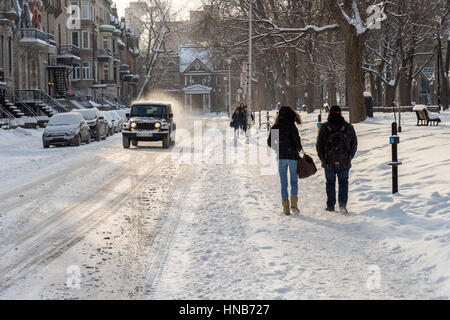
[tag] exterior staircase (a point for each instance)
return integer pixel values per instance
(5, 118)
(16, 112)
(41, 102)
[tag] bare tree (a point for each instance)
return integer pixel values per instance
(155, 27)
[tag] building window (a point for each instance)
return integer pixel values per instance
(106, 72)
(10, 55)
(1, 52)
(75, 38)
(76, 73)
(85, 14)
(105, 42)
(86, 70)
(86, 40)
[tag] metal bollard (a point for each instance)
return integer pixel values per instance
(268, 121)
(319, 122)
(394, 141)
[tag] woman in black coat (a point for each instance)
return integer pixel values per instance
(287, 144)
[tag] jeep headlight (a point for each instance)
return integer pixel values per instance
(133, 125)
(157, 125)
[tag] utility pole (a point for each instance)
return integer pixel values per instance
(250, 64)
(229, 86)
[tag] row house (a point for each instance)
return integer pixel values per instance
(108, 54)
(59, 54)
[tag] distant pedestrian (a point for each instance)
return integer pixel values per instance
(236, 120)
(287, 144)
(336, 146)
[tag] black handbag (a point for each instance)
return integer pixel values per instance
(232, 124)
(306, 167)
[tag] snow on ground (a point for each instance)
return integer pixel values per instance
(139, 225)
(233, 243)
(24, 159)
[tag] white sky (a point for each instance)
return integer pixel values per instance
(179, 5)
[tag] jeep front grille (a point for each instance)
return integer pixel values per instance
(145, 126)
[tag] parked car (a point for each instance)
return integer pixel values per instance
(109, 121)
(123, 115)
(117, 120)
(96, 122)
(149, 122)
(66, 129)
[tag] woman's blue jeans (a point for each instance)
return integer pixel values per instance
(283, 166)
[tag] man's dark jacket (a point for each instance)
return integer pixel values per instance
(336, 123)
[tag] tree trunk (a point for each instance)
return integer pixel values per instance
(290, 89)
(332, 100)
(310, 88)
(354, 48)
(408, 91)
(447, 70)
(444, 77)
(389, 95)
(379, 92)
(403, 88)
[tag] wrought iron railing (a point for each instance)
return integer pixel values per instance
(36, 34)
(67, 50)
(37, 96)
(105, 53)
(124, 68)
(107, 81)
(14, 99)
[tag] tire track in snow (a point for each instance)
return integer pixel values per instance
(55, 236)
(163, 241)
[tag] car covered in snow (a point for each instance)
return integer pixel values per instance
(118, 122)
(96, 122)
(66, 129)
(110, 121)
(149, 121)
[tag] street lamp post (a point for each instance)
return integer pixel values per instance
(378, 63)
(437, 41)
(250, 66)
(229, 86)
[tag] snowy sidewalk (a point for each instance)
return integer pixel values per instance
(233, 243)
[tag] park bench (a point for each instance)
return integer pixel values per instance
(425, 117)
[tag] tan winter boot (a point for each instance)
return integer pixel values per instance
(286, 209)
(294, 204)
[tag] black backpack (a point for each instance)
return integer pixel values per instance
(337, 154)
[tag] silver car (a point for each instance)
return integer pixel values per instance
(66, 129)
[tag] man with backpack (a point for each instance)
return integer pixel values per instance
(336, 146)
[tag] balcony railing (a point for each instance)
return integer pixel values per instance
(124, 68)
(68, 50)
(35, 34)
(52, 60)
(105, 53)
(107, 81)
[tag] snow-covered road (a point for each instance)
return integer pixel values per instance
(136, 224)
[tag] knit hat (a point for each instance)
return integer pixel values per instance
(335, 110)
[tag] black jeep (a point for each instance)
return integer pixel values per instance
(148, 121)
